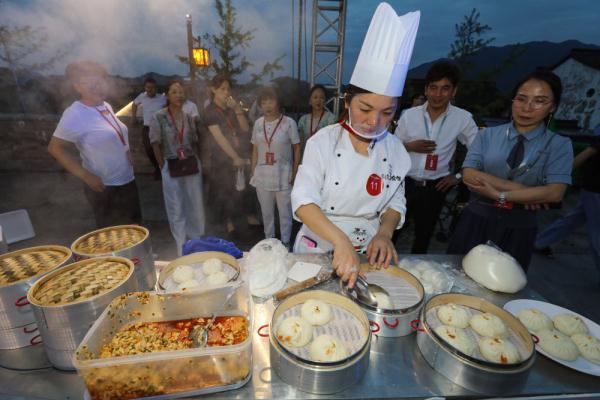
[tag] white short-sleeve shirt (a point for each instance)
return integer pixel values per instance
(99, 145)
(150, 105)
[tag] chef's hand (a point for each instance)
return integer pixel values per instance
(420, 146)
(94, 182)
(447, 182)
(346, 262)
(381, 251)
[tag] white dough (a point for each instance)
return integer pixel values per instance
(558, 344)
(328, 349)
(535, 320)
(383, 301)
(182, 273)
(211, 266)
(570, 324)
(316, 312)
(457, 338)
(217, 278)
(294, 332)
(588, 346)
(191, 283)
(494, 269)
(453, 315)
(488, 325)
(499, 350)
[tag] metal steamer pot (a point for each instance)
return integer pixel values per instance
(15, 311)
(469, 372)
(21, 336)
(391, 323)
(63, 326)
(315, 377)
(140, 253)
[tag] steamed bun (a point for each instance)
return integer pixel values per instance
(383, 301)
(588, 346)
(494, 269)
(217, 278)
(570, 324)
(327, 348)
(294, 332)
(453, 315)
(191, 283)
(558, 345)
(499, 350)
(211, 266)
(182, 273)
(488, 325)
(457, 338)
(535, 320)
(316, 312)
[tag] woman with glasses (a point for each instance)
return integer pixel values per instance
(514, 170)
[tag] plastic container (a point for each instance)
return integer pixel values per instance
(166, 374)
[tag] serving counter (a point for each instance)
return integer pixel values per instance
(396, 367)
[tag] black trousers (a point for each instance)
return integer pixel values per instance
(116, 205)
(148, 148)
(423, 205)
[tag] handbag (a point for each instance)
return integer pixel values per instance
(183, 167)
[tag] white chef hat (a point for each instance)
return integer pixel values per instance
(385, 54)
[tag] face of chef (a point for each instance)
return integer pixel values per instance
(439, 93)
(371, 113)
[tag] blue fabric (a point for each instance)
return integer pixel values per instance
(210, 243)
(491, 147)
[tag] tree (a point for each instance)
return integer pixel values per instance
(229, 42)
(468, 38)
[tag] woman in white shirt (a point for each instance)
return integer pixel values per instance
(275, 160)
(102, 140)
(318, 118)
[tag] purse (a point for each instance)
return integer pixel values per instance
(183, 167)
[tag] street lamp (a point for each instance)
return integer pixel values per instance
(201, 56)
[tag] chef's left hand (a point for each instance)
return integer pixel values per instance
(483, 188)
(447, 182)
(381, 251)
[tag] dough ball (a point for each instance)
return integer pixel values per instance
(570, 324)
(294, 332)
(316, 312)
(383, 301)
(453, 315)
(588, 346)
(218, 278)
(499, 350)
(488, 325)
(535, 320)
(457, 338)
(558, 344)
(211, 266)
(191, 283)
(182, 273)
(326, 348)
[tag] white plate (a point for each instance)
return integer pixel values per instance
(551, 310)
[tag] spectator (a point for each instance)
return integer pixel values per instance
(430, 133)
(175, 144)
(319, 116)
(275, 160)
(151, 102)
(103, 143)
(513, 170)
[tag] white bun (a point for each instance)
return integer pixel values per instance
(383, 301)
(182, 273)
(457, 338)
(211, 266)
(294, 332)
(588, 346)
(488, 325)
(558, 344)
(217, 278)
(453, 315)
(499, 350)
(570, 324)
(535, 320)
(326, 348)
(316, 312)
(494, 269)
(192, 283)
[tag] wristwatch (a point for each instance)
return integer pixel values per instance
(502, 197)
(458, 176)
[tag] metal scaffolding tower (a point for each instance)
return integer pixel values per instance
(327, 53)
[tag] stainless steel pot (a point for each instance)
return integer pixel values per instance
(119, 240)
(391, 323)
(32, 263)
(312, 377)
(476, 375)
(21, 336)
(63, 324)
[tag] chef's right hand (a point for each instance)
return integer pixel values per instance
(94, 182)
(346, 262)
(420, 146)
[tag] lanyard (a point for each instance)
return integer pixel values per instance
(116, 127)
(428, 132)
(269, 140)
(226, 118)
(311, 123)
(179, 132)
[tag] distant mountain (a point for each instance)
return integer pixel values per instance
(534, 54)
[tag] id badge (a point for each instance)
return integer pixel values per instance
(269, 158)
(181, 154)
(431, 162)
(507, 205)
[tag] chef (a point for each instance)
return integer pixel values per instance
(349, 190)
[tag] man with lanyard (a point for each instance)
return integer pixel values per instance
(429, 133)
(151, 102)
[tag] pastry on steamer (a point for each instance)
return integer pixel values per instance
(316, 312)
(488, 325)
(294, 332)
(211, 266)
(499, 350)
(457, 338)
(327, 348)
(182, 273)
(453, 315)
(217, 278)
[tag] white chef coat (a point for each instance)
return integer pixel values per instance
(351, 189)
(454, 124)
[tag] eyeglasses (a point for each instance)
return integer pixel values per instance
(536, 102)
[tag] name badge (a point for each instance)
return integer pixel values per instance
(181, 153)
(507, 205)
(269, 158)
(431, 162)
